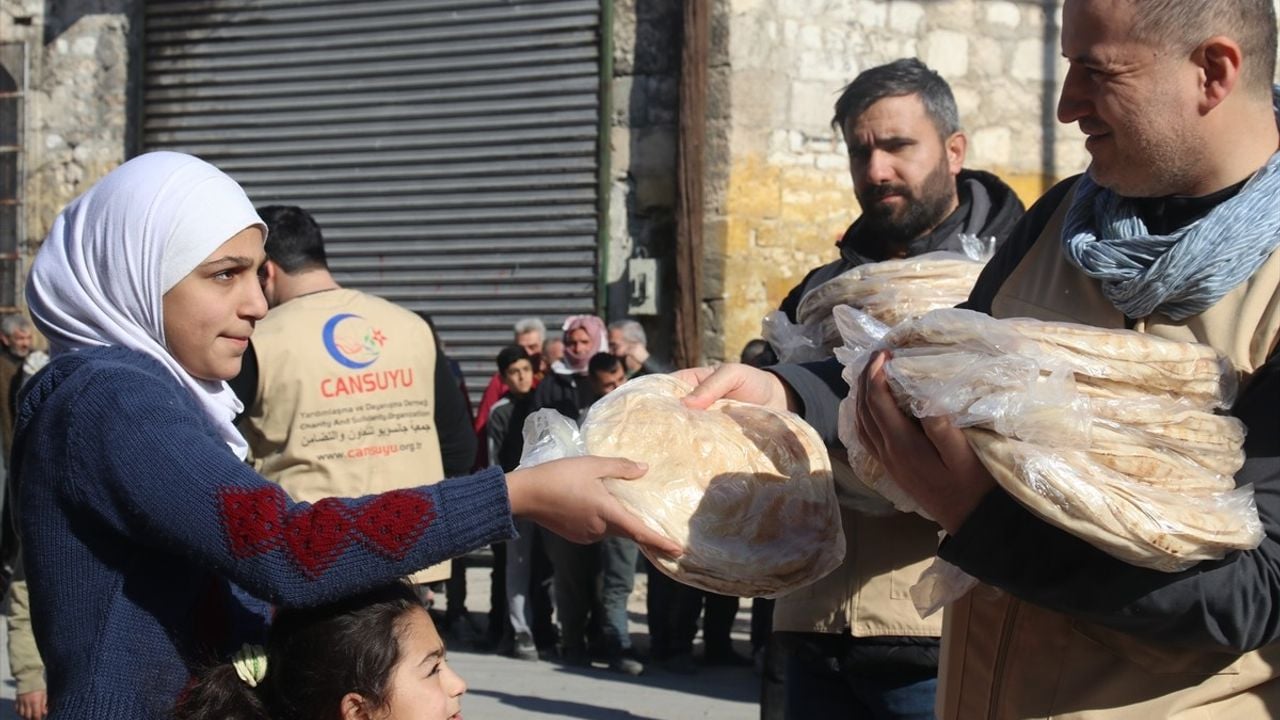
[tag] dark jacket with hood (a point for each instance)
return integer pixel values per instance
(988, 208)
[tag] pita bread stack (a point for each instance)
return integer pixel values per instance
(746, 490)
(892, 291)
(1110, 435)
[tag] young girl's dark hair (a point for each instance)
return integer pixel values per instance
(315, 656)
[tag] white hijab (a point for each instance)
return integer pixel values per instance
(101, 275)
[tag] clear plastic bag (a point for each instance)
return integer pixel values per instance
(1017, 396)
(1139, 522)
(897, 288)
(940, 585)
(866, 478)
(548, 436)
(745, 490)
(978, 248)
(794, 343)
(1076, 425)
(1123, 363)
(892, 291)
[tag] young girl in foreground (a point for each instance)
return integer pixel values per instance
(141, 525)
(375, 656)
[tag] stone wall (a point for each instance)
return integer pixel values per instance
(783, 190)
(643, 130)
(78, 108)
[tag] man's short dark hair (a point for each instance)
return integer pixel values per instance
(294, 241)
(510, 355)
(907, 76)
(603, 363)
(1184, 24)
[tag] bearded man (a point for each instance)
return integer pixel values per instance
(1172, 232)
(853, 643)
(906, 157)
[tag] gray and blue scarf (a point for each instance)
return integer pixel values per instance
(1181, 274)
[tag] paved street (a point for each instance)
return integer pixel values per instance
(504, 689)
(501, 688)
(6, 687)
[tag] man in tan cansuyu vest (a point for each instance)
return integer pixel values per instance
(345, 394)
(1172, 232)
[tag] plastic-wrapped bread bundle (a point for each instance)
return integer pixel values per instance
(1107, 434)
(1119, 363)
(746, 490)
(894, 290)
(891, 291)
(1163, 528)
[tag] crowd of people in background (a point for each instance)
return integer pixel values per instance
(558, 601)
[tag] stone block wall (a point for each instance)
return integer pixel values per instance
(642, 137)
(783, 193)
(80, 86)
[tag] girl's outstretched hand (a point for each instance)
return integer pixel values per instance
(568, 498)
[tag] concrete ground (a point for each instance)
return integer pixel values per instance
(500, 688)
(6, 679)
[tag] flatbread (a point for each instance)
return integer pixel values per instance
(1109, 435)
(1115, 359)
(746, 490)
(1214, 442)
(893, 290)
(1160, 468)
(1112, 512)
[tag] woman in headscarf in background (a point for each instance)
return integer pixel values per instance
(565, 390)
(139, 519)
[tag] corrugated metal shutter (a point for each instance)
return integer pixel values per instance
(447, 149)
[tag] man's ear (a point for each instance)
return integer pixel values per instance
(268, 277)
(957, 145)
(353, 706)
(1220, 61)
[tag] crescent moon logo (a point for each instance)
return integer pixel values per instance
(352, 347)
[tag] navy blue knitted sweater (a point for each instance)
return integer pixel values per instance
(136, 520)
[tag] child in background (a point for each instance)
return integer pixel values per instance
(527, 625)
(374, 655)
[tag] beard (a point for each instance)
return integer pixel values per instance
(921, 212)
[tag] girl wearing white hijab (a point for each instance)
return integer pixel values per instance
(137, 514)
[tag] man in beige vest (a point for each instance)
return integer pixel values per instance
(854, 639)
(1172, 232)
(345, 394)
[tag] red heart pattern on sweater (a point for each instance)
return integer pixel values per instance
(318, 535)
(253, 518)
(315, 536)
(394, 521)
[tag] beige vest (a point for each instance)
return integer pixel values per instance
(346, 400)
(867, 596)
(1009, 660)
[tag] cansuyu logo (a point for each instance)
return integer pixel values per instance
(352, 341)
